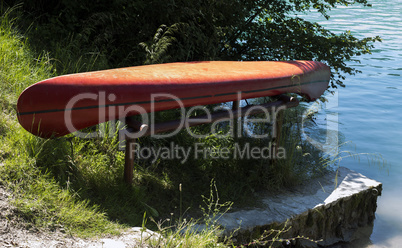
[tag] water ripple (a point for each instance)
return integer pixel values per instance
(370, 106)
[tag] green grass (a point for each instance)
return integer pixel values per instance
(36, 193)
(76, 184)
(28, 161)
(19, 67)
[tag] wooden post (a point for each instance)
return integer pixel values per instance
(129, 153)
(235, 108)
(129, 161)
(292, 102)
(278, 129)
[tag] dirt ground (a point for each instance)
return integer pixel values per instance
(15, 232)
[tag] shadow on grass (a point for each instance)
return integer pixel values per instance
(93, 170)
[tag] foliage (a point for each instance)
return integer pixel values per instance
(125, 33)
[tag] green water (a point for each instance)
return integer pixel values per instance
(368, 111)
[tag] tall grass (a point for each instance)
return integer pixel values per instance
(37, 193)
(19, 67)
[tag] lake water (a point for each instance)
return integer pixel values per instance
(369, 110)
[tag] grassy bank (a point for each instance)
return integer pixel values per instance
(37, 193)
(76, 184)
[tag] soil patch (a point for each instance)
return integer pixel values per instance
(16, 232)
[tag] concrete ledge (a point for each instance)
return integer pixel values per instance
(332, 209)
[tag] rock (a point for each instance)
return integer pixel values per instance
(134, 237)
(324, 211)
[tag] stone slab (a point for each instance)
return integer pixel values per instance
(334, 208)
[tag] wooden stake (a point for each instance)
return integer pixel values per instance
(129, 161)
(129, 151)
(235, 108)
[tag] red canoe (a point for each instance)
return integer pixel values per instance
(64, 104)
